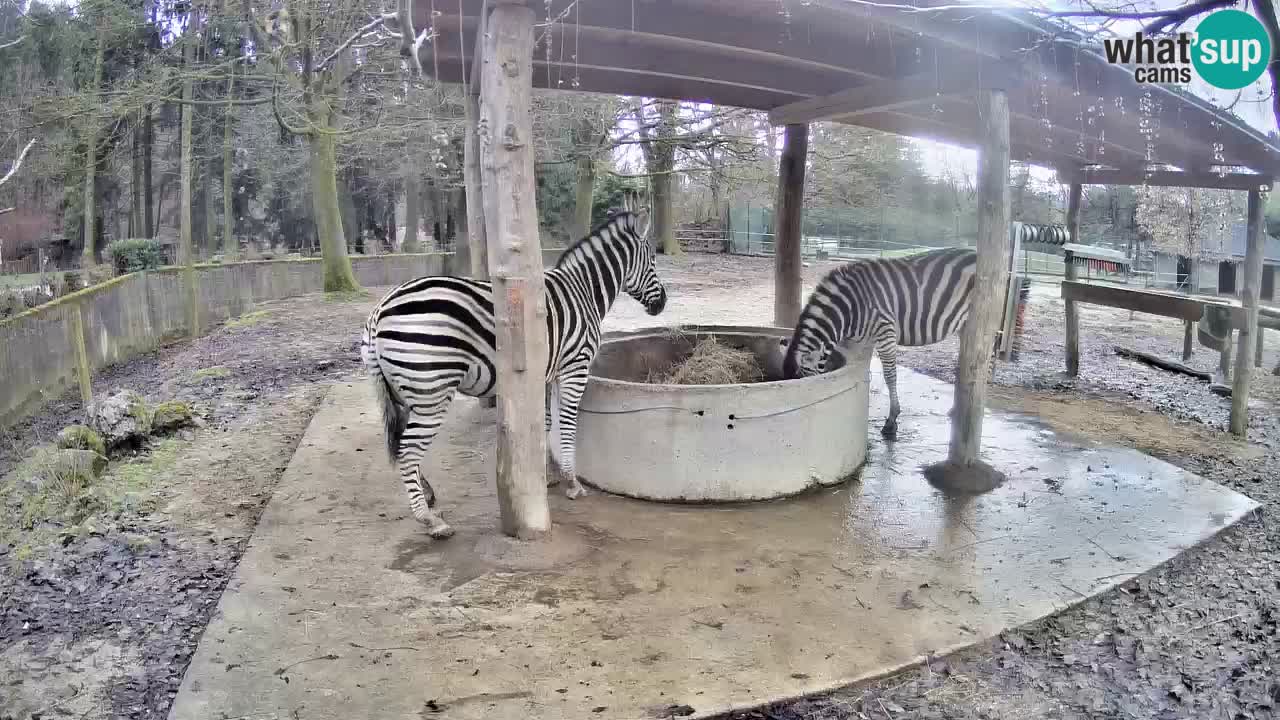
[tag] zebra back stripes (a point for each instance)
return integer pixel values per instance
(433, 337)
(917, 300)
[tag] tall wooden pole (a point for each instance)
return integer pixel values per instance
(477, 242)
(505, 135)
(1248, 332)
(476, 238)
(1073, 311)
(787, 226)
(988, 292)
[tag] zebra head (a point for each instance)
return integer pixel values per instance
(805, 353)
(640, 276)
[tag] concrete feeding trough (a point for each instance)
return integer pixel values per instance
(718, 443)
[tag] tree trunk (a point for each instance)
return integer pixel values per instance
(89, 256)
(209, 245)
(135, 181)
(664, 235)
(148, 197)
(186, 248)
(583, 135)
(230, 248)
(412, 199)
(338, 276)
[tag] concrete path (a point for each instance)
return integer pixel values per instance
(342, 608)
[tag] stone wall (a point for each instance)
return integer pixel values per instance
(50, 349)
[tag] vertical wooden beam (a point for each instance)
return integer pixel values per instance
(476, 237)
(787, 226)
(1249, 299)
(1188, 331)
(993, 238)
(84, 373)
(1073, 311)
(1257, 353)
(505, 134)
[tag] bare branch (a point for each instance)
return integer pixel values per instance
(11, 43)
(355, 37)
(18, 163)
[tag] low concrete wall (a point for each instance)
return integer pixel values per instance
(136, 313)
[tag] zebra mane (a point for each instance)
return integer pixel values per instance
(618, 218)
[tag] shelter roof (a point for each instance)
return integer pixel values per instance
(910, 69)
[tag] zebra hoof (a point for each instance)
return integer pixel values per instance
(441, 531)
(575, 491)
(890, 432)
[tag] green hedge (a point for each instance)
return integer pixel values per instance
(134, 254)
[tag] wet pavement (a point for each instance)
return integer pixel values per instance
(343, 607)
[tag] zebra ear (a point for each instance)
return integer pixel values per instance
(642, 221)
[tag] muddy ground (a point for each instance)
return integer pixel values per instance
(105, 625)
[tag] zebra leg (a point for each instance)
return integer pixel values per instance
(887, 349)
(421, 429)
(572, 385)
(553, 450)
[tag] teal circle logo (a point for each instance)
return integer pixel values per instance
(1232, 49)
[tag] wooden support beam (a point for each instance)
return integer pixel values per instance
(477, 239)
(1165, 178)
(1074, 200)
(1188, 332)
(787, 226)
(1249, 329)
(1257, 353)
(993, 237)
(515, 265)
(894, 93)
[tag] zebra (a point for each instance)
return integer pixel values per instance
(916, 300)
(433, 337)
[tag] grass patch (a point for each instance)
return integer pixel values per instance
(348, 296)
(248, 319)
(69, 506)
(218, 371)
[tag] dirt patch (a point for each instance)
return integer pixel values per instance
(102, 623)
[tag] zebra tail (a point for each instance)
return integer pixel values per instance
(394, 415)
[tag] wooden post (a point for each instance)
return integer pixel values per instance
(476, 238)
(787, 226)
(1257, 353)
(1249, 299)
(84, 373)
(1188, 330)
(505, 134)
(1073, 312)
(993, 237)
(477, 242)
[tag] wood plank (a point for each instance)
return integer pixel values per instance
(787, 226)
(1156, 361)
(891, 94)
(1152, 303)
(1249, 329)
(1165, 178)
(515, 265)
(993, 238)
(1073, 312)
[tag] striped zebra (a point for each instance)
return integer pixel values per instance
(916, 300)
(433, 337)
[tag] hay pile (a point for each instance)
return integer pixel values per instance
(712, 363)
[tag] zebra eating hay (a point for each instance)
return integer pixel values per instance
(911, 301)
(434, 336)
